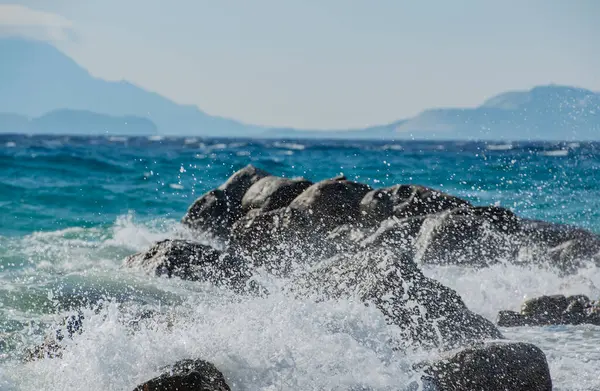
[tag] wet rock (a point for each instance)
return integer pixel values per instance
(396, 232)
(428, 313)
(238, 184)
(192, 261)
(468, 236)
(552, 310)
(273, 192)
(217, 210)
(496, 366)
(211, 212)
(414, 200)
(331, 203)
(187, 375)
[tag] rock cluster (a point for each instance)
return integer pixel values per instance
(338, 238)
(553, 310)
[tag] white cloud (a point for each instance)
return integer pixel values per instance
(18, 20)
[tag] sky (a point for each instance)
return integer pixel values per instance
(326, 64)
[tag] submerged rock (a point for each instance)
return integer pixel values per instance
(187, 375)
(496, 366)
(428, 313)
(552, 310)
(192, 261)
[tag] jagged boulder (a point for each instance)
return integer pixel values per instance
(553, 310)
(406, 201)
(331, 203)
(192, 261)
(428, 313)
(187, 375)
(273, 192)
(495, 366)
(218, 209)
(474, 236)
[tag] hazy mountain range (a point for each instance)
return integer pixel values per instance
(44, 91)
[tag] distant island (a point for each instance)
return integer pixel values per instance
(77, 122)
(45, 91)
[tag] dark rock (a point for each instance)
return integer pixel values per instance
(396, 232)
(413, 200)
(497, 366)
(211, 212)
(217, 210)
(511, 319)
(467, 236)
(187, 375)
(273, 192)
(552, 310)
(377, 206)
(428, 313)
(192, 261)
(238, 184)
(331, 203)
(545, 307)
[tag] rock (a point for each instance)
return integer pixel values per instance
(414, 200)
(545, 307)
(238, 184)
(552, 310)
(187, 375)
(273, 192)
(331, 203)
(469, 236)
(211, 212)
(396, 232)
(495, 366)
(428, 313)
(217, 210)
(192, 261)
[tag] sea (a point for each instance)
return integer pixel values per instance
(72, 208)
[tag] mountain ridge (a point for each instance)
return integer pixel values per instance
(38, 79)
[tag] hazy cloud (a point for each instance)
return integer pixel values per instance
(18, 20)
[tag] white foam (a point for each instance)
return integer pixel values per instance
(10, 144)
(499, 147)
(286, 145)
(556, 153)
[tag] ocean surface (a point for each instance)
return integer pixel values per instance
(71, 208)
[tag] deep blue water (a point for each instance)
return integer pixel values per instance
(71, 208)
(49, 183)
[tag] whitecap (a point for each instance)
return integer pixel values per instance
(117, 139)
(10, 144)
(499, 147)
(176, 186)
(556, 153)
(392, 147)
(189, 141)
(156, 138)
(285, 145)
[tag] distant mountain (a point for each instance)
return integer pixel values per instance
(547, 112)
(36, 78)
(77, 122)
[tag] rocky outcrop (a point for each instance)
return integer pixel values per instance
(192, 261)
(273, 192)
(497, 366)
(70, 326)
(217, 210)
(187, 375)
(553, 310)
(427, 312)
(331, 203)
(406, 201)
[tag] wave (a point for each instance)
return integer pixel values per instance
(556, 153)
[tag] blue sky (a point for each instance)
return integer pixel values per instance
(322, 64)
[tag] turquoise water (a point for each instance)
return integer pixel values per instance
(72, 208)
